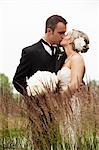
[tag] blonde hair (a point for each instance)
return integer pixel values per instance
(80, 41)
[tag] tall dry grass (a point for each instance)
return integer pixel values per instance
(58, 119)
(55, 121)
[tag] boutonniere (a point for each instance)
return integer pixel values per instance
(60, 52)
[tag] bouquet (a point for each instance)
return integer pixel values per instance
(40, 82)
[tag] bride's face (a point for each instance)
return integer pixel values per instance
(66, 40)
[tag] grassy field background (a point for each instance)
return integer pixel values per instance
(50, 121)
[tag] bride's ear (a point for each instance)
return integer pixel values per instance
(71, 40)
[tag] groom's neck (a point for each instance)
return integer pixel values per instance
(48, 39)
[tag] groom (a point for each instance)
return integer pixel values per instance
(45, 55)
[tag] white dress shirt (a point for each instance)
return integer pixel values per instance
(48, 49)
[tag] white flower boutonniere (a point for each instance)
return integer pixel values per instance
(60, 52)
(61, 49)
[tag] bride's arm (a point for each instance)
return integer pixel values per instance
(77, 72)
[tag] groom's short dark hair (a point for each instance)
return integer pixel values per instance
(52, 21)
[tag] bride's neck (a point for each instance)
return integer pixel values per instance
(69, 51)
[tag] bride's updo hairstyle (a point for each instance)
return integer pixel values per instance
(80, 41)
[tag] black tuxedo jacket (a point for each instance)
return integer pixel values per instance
(35, 58)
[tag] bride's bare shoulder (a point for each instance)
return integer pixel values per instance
(77, 58)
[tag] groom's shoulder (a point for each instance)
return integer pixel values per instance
(31, 48)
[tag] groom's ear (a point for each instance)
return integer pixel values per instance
(49, 30)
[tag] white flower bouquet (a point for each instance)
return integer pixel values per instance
(40, 82)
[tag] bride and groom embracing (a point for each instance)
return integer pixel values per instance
(55, 53)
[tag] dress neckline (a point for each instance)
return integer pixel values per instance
(65, 67)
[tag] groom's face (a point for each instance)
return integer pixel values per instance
(59, 33)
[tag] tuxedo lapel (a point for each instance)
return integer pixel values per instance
(60, 58)
(56, 61)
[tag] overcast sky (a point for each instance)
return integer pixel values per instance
(22, 23)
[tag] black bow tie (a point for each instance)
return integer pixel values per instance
(52, 47)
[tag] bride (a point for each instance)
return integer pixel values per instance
(72, 72)
(71, 78)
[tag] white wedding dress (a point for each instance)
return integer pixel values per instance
(64, 76)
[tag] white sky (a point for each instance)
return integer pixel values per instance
(22, 23)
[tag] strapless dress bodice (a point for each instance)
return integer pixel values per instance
(64, 76)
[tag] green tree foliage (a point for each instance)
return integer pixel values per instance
(5, 85)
